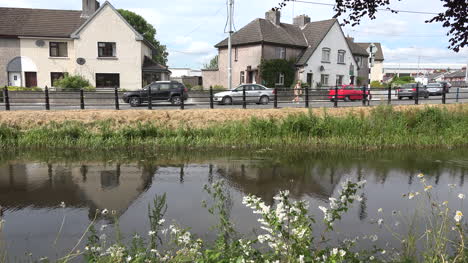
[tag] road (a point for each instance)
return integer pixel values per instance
(194, 104)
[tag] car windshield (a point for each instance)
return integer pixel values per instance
(433, 85)
(408, 86)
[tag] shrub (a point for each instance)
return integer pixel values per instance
(270, 69)
(376, 84)
(219, 87)
(71, 83)
(188, 86)
(24, 89)
(197, 88)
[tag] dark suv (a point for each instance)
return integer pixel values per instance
(172, 91)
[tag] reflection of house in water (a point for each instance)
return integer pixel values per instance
(267, 181)
(113, 187)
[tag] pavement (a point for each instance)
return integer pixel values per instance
(193, 103)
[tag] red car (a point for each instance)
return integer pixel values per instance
(348, 93)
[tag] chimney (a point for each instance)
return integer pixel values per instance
(273, 16)
(301, 21)
(89, 7)
(351, 38)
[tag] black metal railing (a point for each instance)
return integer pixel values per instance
(279, 97)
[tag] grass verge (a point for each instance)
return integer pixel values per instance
(380, 127)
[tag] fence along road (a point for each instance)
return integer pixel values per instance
(313, 98)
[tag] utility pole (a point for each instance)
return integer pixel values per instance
(466, 74)
(231, 5)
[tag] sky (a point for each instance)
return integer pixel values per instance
(191, 28)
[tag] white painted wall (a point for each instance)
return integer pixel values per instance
(377, 71)
(107, 26)
(334, 40)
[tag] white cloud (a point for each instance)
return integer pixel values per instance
(424, 54)
(182, 40)
(17, 3)
(152, 15)
(199, 48)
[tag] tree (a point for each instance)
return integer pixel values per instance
(148, 32)
(454, 17)
(213, 63)
(270, 70)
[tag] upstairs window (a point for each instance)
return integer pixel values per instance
(106, 49)
(58, 49)
(280, 52)
(236, 54)
(325, 54)
(341, 56)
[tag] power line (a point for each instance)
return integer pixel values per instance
(379, 9)
(394, 35)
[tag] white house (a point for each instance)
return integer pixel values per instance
(39, 46)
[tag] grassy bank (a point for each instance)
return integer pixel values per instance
(380, 127)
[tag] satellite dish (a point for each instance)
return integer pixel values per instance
(40, 43)
(81, 61)
(322, 68)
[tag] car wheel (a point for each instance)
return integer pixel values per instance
(347, 99)
(176, 100)
(134, 101)
(264, 100)
(400, 98)
(410, 97)
(227, 100)
(426, 96)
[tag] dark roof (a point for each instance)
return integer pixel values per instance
(379, 55)
(39, 22)
(315, 32)
(356, 49)
(457, 74)
(149, 65)
(263, 31)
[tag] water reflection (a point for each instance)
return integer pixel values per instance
(31, 191)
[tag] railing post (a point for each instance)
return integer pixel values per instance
(7, 98)
(458, 94)
(211, 98)
(416, 98)
(182, 102)
(275, 100)
(364, 95)
(307, 97)
(116, 97)
(444, 89)
(389, 99)
(335, 103)
(82, 105)
(150, 98)
(244, 102)
(47, 104)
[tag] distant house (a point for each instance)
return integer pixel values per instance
(362, 60)
(377, 71)
(322, 54)
(192, 77)
(39, 46)
(457, 78)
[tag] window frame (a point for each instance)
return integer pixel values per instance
(236, 54)
(57, 45)
(327, 51)
(341, 54)
(280, 52)
(98, 85)
(52, 74)
(322, 77)
(280, 79)
(114, 50)
(242, 77)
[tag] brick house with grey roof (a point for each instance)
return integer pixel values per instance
(322, 54)
(39, 46)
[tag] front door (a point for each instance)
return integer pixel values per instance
(310, 79)
(31, 79)
(14, 79)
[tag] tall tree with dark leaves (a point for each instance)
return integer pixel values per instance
(148, 32)
(213, 64)
(454, 17)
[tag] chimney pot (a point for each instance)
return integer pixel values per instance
(274, 17)
(301, 21)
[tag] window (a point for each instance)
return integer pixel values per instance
(359, 61)
(236, 54)
(257, 87)
(58, 49)
(325, 54)
(339, 79)
(106, 49)
(324, 79)
(341, 56)
(107, 80)
(280, 52)
(242, 77)
(54, 76)
(280, 79)
(164, 86)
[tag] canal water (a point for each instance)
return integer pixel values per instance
(33, 185)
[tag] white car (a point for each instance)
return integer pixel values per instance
(253, 93)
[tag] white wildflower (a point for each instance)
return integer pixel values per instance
(342, 252)
(361, 183)
(374, 238)
(301, 259)
(383, 252)
(129, 258)
(410, 196)
(160, 222)
(427, 188)
(103, 227)
(380, 221)
(371, 257)
(420, 175)
(334, 251)
(105, 212)
(461, 196)
(62, 204)
(458, 216)
(380, 210)
(151, 233)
